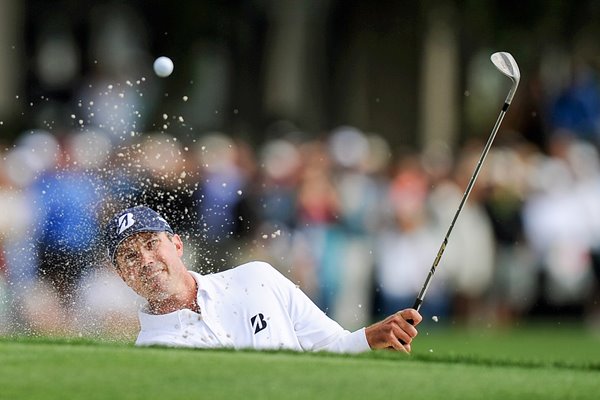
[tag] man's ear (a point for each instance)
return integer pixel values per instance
(178, 244)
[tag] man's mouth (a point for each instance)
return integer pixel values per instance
(153, 275)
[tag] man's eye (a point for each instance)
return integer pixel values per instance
(129, 257)
(152, 244)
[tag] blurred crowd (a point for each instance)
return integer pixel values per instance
(355, 223)
(354, 220)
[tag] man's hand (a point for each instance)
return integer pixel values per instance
(395, 331)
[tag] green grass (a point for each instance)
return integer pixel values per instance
(547, 362)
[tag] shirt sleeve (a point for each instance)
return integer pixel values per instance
(314, 329)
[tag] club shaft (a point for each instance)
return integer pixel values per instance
(486, 149)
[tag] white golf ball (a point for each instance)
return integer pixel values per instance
(163, 66)
(434, 318)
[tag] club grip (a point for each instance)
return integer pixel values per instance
(417, 305)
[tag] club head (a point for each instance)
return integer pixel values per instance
(506, 64)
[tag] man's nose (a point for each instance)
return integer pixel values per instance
(147, 257)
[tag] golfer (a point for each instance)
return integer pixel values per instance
(249, 306)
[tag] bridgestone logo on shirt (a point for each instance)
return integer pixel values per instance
(258, 323)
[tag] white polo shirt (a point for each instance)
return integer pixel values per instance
(250, 306)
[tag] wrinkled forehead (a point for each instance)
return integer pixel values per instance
(136, 240)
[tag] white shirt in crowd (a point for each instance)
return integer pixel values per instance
(250, 306)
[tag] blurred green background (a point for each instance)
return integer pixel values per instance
(412, 71)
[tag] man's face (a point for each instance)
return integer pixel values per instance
(150, 263)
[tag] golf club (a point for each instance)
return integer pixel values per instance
(508, 66)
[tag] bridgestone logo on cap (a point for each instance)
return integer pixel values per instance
(125, 221)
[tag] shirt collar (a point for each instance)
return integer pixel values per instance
(204, 289)
(204, 286)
